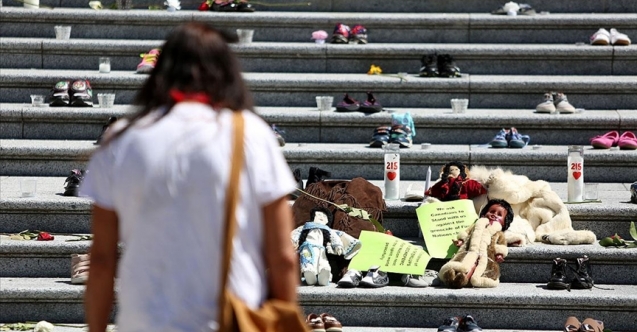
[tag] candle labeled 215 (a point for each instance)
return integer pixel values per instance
(575, 180)
(392, 172)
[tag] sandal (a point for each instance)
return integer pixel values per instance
(592, 325)
(572, 324)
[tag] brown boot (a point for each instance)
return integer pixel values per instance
(592, 325)
(315, 323)
(572, 324)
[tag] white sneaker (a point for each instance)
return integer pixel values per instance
(511, 7)
(601, 37)
(618, 38)
(547, 106)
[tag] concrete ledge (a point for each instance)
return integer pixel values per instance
(296, 89)
(502, 59)
(509, 306)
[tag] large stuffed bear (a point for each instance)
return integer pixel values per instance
(540, 214)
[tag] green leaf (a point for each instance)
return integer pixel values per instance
(633, 231)
(379, 227)
(360, 213)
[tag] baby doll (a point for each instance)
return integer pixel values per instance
(482, 247)
(455, 184)
(315, 239)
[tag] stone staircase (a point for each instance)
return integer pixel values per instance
(507, 64)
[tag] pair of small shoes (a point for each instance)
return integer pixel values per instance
(625, 141)
(396, 134)
(323, 323)
(316, 175)
(79, 268)
(513, 9)
(425, 280)
(614, 37)
(438, 65)
(232, 6)
(73, 182)
(149, 60)
(349, 104)
(374, 278)
(78, 93)
(573, 324)
(460, 324)
(560, 279)
(510, 138)
(555, 102)
(344, 35)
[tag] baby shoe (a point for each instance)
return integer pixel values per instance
(358, 35)
(331, 324)
(468, 324)
(380, 137)
(348, 104)
(79, 268)
(371, 105)
(516, 140)
(572, 324)
(374, 278)
(315, 323)
(547, 106)
(149, 60)
(401, 135)
(627, 141)
(449, 325)
(351, 279)
(341, 34)
(81, 94)
(605, 141)
(60, 94)
(429, 65)
(592, 325)
(618, 38)
(562, 105)
(500, 140)
(601, 37)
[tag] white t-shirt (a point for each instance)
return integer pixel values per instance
(167, 182)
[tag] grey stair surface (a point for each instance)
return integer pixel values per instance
(378, 6)
(487, 59)
(298, 26)
(307, 125)
(348, 160)
(297, 89)
(509, 306)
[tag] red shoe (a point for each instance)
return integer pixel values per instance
(149, 60)
(627, 141)
(605, 141)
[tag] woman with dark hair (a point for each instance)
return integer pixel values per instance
(159, 183)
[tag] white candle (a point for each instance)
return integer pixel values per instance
(392, 172)
(575, 181)
(105, 67)
(428, 180)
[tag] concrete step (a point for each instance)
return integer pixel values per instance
(51, 259)
(299, 89)
(484, 59)
(509, 306)
(306, 125)
(297, 26)
(50, 211)
(346, 160)
(408, 6)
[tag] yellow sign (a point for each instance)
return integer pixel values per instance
(392, 254)
(441, 222)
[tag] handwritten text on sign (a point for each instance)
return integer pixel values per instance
(392, 254)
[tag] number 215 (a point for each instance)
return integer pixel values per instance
(576, 166)
(392, 165)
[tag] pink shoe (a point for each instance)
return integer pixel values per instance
(605, 141)
(148, 61)
(627, 141)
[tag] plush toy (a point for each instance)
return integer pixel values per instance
(455, 184)
(482, 247)
(315, 239)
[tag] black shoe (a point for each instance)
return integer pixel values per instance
(108, 123)
(317, 175)
(468, 324)
(449, 325)
(429, 65)
(582, 279)
(81, 94)
(299, 184)
(72, 183)
(447, 66)
(558, 275)
(60, 94)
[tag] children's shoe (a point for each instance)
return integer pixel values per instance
(447, 66)
(110, 121)
(468, 324)
(60, 94)
(315, 323)
(526, 9)
(419, 281)
(401, 135)
(601, 37)
(371, 105)
(517, 141)
(351, 279)
(592, 325)
(605, 141)
(582, 279)
(81, 94)
(374, 278)
(316, 175)
(572, 324)
(341, 34)
(500, 140)
(618, 38)
(79, 268)
(429, 65)
(348, 104)
(73, 182)
(149, 60)
(633, 192)
(380, 137)
(278, 133)
(358, 35)
(508, 7)
(627, 141)
(558, 278)
(449, 325)
(331, 324)
(548, 105)
(562, 105)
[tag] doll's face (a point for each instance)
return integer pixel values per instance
(320, 218)
(496, 213)
(454, 171)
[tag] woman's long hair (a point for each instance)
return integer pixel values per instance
(195, 58)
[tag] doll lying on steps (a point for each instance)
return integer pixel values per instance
(482, 247)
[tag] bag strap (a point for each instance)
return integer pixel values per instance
(232, 198)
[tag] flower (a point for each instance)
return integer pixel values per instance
(97, 5)
(319, 35)
(204, 7)
(43, 326)
(374, 70)
(44, 236)
(173, 4)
